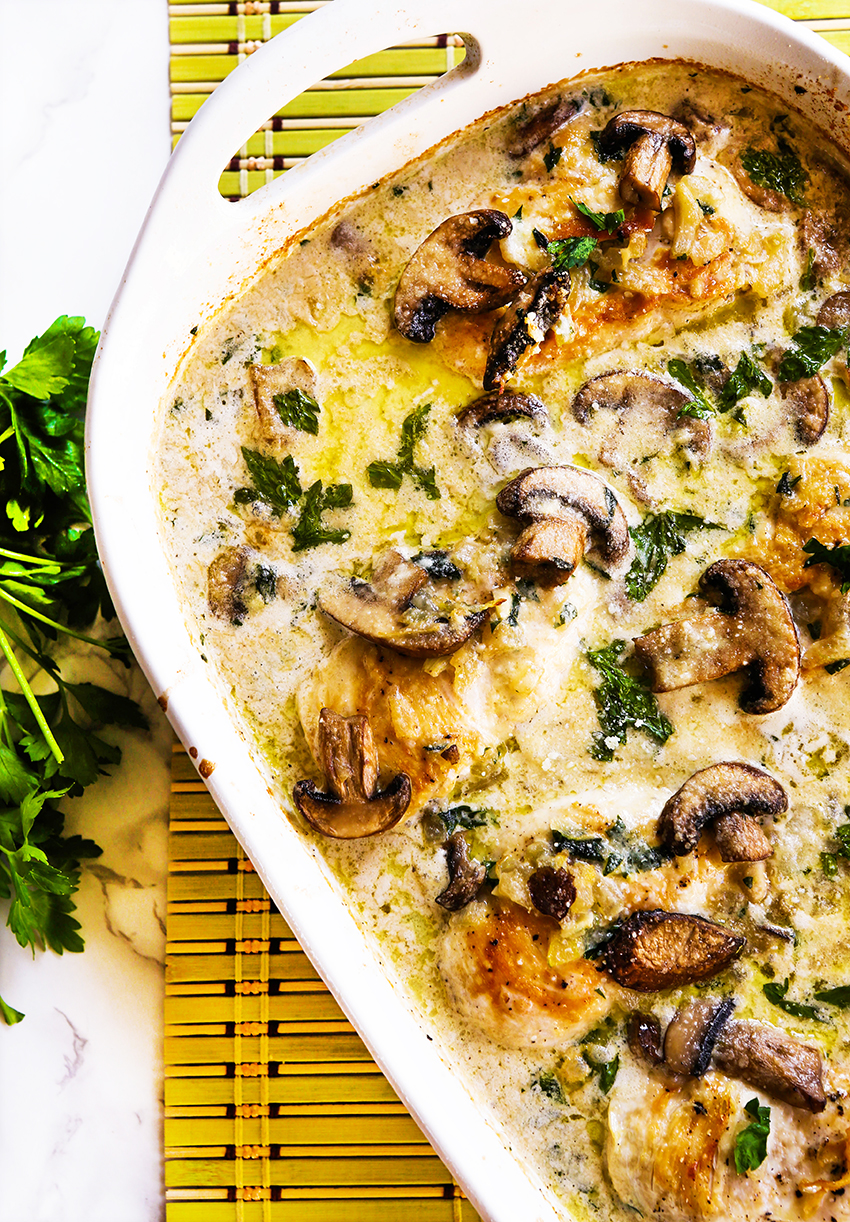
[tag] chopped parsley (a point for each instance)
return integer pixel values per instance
(837, 557)
(606, 1071)
(299, 410)
(839, 996)
(391, 474)
(659, 536)
(751, 1142)
(745, 378)
(782, 171)
(467, 817)
(275, 483)
(548, 1085)
(699, 407)
(552, 157)
(786, 484)
(776, 994)
(591, 848)
(808, 280)
(438, 565)
(622, 703)
(620, 852)
(813, 348)
(565, 615)
(608, 221)
(566, 252)
(309, 530)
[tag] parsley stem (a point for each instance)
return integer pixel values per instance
(29, 696)
(10, 432)
(80, 636)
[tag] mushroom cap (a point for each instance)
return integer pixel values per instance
(624, 129)
(692, 1033)
(539, 123)
(381, 612)
(553, 891)
(658, 950)
(564, 493)
(808, 401)
(834, 314)
(449, 271)
(531, 315)
(753, 630)
(772, 1061)
(621, 390)
(504, 406)
(354, 806)
(714, 792)
(465, 873)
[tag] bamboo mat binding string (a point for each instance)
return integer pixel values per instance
(274, 1110)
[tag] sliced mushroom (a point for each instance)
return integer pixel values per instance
(763, 197)
(539, 123)
(553, 891)
(466, 875)
(449, 271)
(834, 314)
(236, 584)
(269, 381)
(658, 950)
(808, 403)
(350, 242)
(384, 612)
(644, 1036)
(753, 630)
(648, 420)
(692, 1034)
(772, 1061)
(526, 323)
(740, 838)
(717, 794)
(652, 144)
(353, 806)
(502, 406)
(564, 505)
(828, 245)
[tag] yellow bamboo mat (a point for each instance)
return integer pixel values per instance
(274, 1110)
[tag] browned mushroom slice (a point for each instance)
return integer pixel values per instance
(353, 806)
(740, 838)
(720, 792)
(763, 197)
(449, 271)
(658, 950)
(564, 505)
(834, 314)
(539, 123)
(382, 611)
(227, 576)
(692, 1034)
(644, 1035)
(269, 382)
(466, 875)
(526, 323)
(553, 891)
(808, 403)
(767, 1058)
(753, 630)
(502, 406)
(652, 145)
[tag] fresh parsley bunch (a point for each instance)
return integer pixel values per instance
(50, 584)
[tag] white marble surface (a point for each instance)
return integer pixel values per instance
(84, 136)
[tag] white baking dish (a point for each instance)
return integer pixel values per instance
(196, 251)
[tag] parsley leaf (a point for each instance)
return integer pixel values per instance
(658, 537)
(299, 410)
(745, 378)
(839, 996)
(776, 995)
(808, 280)
(467, 817)
(622, 703)
(390, 474)
(566, 252)
(699, 407)
(309, 530)
(548, 1085)
(552, 157)
(751, 1142)
(780, 171)
(814, 347)
(607, 1070)
(602, 220)
(276, 483)
(838, 557)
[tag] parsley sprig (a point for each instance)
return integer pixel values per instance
(777, 995)
(50, 584)
(278, 485)
(622, 703)
(609, 221)
(299, 410)
(751, 1142)
(781, 171)
(813, 347)
(390, 474)
(566, 252)
(659, 536)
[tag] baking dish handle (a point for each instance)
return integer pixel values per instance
(310, 50)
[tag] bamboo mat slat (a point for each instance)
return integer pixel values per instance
(274, 1111)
